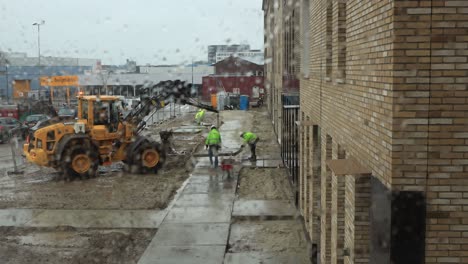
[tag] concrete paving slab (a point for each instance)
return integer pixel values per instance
(192, 127)
(204, 171)
(192, 234)
(203, 163)
(187, 130)
(261, 258)
(17, 217)
(183, 255)
(99, 218)
(198, 178)
(269, 209)
(264, 163)
(199, 215)
(210, 187)
(215, 200)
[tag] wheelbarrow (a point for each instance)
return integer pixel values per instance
(227, 165)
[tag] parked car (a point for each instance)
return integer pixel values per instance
(10, 126)
(32, 120)
(67, 113)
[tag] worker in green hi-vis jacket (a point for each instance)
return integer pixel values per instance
(213, 144)
(199, 116)
(251, 139)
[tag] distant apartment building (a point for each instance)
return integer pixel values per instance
(380, 141)
(213, 49)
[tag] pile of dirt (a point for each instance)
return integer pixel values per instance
(264, 184)
(74, 246)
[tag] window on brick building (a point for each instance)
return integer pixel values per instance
(328, 39)
(341, 39)
(305, 38)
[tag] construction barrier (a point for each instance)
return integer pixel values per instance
(214, 101)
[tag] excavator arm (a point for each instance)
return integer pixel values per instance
(168, 92)
(193, 102)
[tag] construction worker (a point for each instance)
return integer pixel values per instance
(251, 139)
(213, 144)
(101, 116)
(199, 116)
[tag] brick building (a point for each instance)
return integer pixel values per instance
(383, 124)
(235, 75)
(235, 66)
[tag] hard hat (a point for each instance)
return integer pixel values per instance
(213, 126)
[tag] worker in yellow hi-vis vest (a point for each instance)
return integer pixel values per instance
(199, 116)
(213, 144)
(251, 139)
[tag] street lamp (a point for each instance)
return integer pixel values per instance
(39, 40)
(7, 83)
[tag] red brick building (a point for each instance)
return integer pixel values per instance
(235, 75)
(234, 66)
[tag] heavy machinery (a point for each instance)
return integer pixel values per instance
(101, 134)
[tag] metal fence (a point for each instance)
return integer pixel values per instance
(290, 138)
(170, 111)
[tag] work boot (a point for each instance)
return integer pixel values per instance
(253, 158)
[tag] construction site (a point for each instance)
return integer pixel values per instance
(186, 210)
(344, 139)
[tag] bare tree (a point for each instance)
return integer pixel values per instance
(104, 76)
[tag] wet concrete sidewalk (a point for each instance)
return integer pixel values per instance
(196, 228)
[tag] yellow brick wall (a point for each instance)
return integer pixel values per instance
(430, 152)
(386, 81)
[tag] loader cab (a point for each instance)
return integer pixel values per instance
(102, 112)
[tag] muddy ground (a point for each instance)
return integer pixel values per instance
(268, 236)
(113, 189)
(264, 184)
(71, 245)
(267, 147)
(278, 241)
(272, 237)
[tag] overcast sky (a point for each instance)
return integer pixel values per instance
(148, 31)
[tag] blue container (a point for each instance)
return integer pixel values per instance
(244, 102)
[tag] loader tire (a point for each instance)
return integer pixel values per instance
(79, 162)
(148, 158)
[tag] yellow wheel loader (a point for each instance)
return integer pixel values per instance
(101, 135)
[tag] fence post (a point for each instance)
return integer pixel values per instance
(14, 140)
